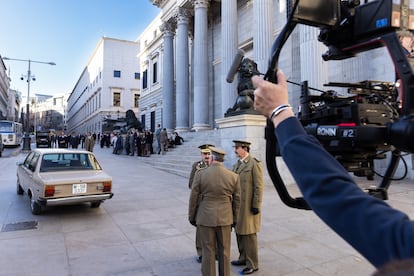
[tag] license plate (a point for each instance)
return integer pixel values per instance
(79, 188)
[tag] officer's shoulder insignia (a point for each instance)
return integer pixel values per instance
(201, 165)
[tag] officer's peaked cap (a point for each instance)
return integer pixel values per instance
(239, 143)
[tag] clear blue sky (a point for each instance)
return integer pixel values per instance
(65, 32)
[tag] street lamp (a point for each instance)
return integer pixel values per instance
(26, 138)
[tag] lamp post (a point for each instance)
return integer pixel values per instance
(26, 137)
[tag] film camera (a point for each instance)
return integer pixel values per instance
(375, 117)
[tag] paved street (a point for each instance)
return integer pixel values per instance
(143, 230)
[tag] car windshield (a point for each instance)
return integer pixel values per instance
(5, 126)
(68, 162)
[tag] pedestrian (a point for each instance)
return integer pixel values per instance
(119, 144)
(54, 140)
(158, 137)
(164, 140)
(214, 207)
(148, 142)
(132, 142)
(62, 140)
(74, 140)
(380, 233)
(82, 141)
(251, 182)
(89, 142)
(178, 140)
(203, 163)
(143, 144)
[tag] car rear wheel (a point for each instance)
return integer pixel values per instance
(20, 190)
(95, 204)
(35, 207)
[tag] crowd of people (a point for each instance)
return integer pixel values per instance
(73, 140)
(139, 143)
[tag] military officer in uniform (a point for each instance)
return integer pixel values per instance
(203, 163)
(251, 184)
(214, 207)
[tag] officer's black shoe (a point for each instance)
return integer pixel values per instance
(248, 270)
(199, 259)
(238, 262)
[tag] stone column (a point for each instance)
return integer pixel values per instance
(168, 105)
(229, 45)
(312, 67)
(201, 95)
(182, 79)
(262, 32)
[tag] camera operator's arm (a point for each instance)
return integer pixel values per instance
(379, 232)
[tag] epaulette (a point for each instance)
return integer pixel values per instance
(201, 165)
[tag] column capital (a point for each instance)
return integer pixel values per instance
(183, 15)
(201, 3)
(167, 28)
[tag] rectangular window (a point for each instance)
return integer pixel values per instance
(153, 121)
(144, 79)
(117, 74)
(137, 76)
(154, 73)
(143, 121)
(136, 100)
(117, 99)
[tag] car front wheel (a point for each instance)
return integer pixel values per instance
(35, 207)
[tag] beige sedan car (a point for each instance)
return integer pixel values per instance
(61, 177)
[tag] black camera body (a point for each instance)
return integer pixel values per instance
(354, 23)
(352, 128)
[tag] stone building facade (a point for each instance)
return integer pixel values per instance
(200, 39)
(107, 87)
(4, 92)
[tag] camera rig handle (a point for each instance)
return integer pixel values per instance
(272, 150)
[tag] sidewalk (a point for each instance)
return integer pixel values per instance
(291, 242)
(144, 230)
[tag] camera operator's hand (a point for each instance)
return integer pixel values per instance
(268, 96)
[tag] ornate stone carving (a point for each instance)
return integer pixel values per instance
(167, 28)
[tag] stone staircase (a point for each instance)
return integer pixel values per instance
(178, 160)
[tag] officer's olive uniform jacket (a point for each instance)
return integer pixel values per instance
(196, 166)
(251, 184)
(215, 197)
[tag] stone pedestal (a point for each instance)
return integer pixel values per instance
(249, 128)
